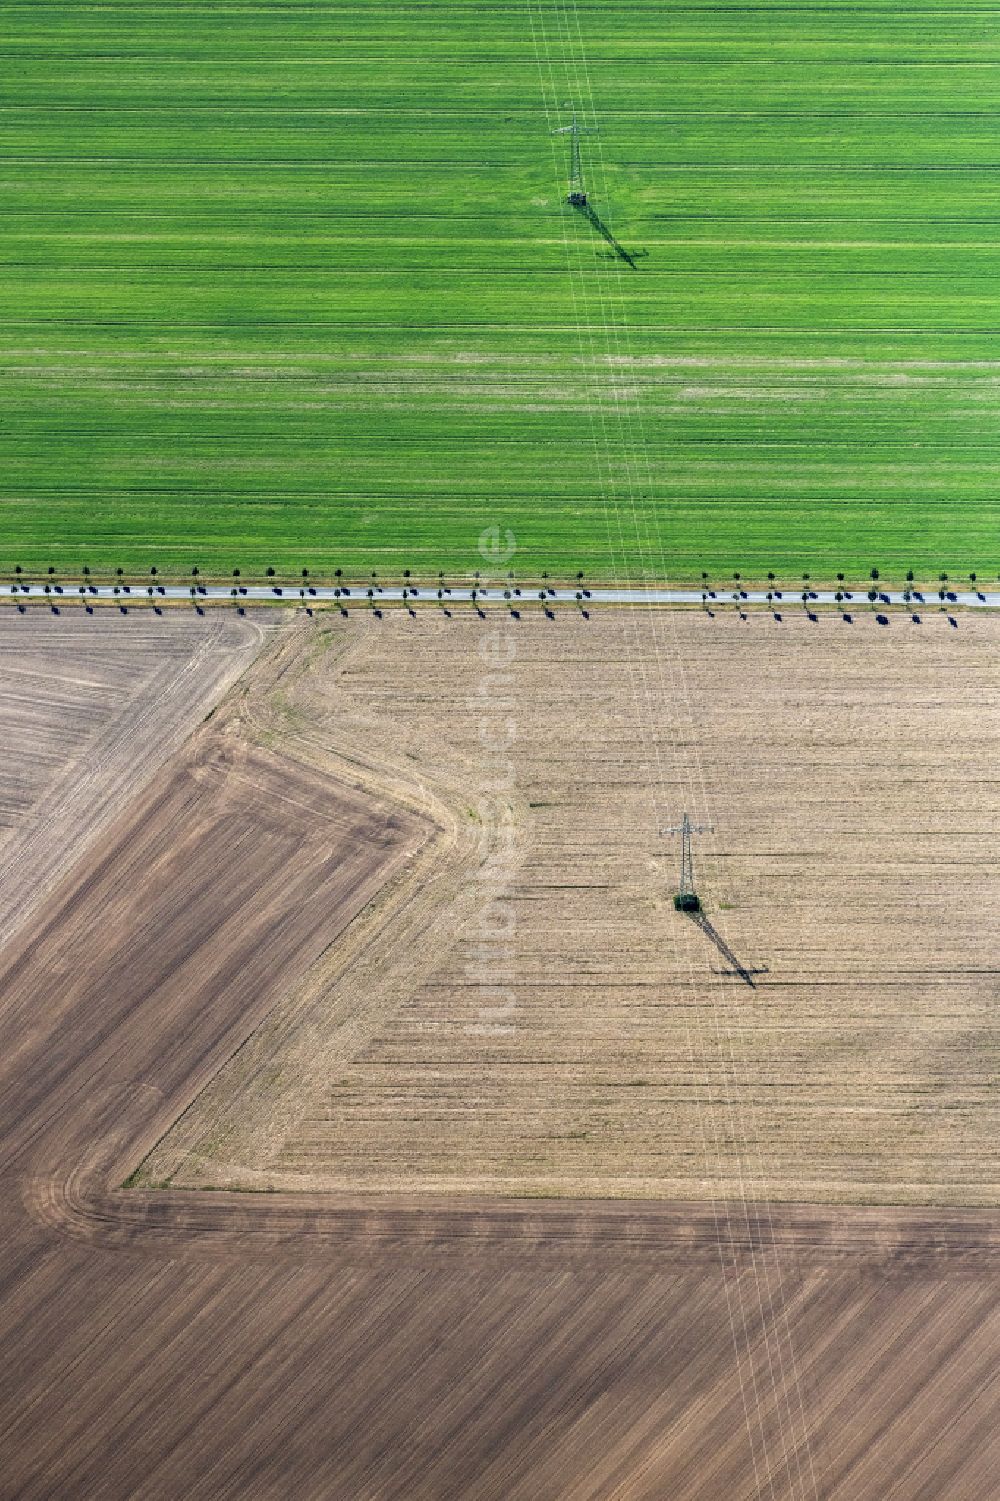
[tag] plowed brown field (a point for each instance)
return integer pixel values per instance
(91, 706)
(427, 1348)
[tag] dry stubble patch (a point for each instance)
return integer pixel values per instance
(850, 776)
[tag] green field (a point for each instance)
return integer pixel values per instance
(296, 285)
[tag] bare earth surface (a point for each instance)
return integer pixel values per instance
(572, 1033)
(365, 1346)
(91, 706)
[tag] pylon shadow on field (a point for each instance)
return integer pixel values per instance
(739, 969)
(602, 229)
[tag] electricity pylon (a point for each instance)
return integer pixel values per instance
(687, 899)
(577, 195)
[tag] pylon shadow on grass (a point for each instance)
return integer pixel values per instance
(603, 230)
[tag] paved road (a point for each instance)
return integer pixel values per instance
(294, 594)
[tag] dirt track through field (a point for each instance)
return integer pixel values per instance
(366, 1346)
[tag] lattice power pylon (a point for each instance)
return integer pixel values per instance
(577, 194)
(687, 899)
